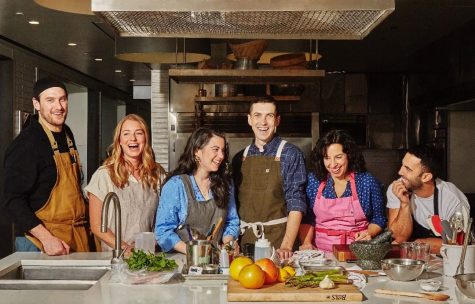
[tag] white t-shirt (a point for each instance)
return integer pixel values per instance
(451, 199)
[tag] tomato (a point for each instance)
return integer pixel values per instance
(237, 265)
(252, 276)
(269, 268)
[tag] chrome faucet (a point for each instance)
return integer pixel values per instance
(118, 227)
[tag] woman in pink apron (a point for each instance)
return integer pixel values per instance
(345, 201)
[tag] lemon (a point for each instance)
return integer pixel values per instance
(290, 270)
(283, 275)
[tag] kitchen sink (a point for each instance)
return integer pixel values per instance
(45, 285)
(51, 277)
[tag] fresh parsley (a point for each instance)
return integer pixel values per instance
(149, 261)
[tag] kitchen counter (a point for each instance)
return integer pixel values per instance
(190, 291)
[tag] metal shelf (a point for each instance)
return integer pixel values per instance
(245, 76)
(220, 100)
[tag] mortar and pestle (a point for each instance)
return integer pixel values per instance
(370, 253)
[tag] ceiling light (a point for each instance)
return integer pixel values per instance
(132, 80)
(162, 50)
(19, 13)
(34, 22)
(72, 44)
(97, 59)
(118, 71)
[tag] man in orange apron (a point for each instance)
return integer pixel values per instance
(42, 178)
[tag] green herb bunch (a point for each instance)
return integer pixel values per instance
(149, 261)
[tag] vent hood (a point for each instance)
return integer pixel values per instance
(245, 19)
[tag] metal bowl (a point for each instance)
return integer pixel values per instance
(466, 284)
(402, 269)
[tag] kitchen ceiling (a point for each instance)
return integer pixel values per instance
(412, 26)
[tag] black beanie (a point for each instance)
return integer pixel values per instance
(46, 83)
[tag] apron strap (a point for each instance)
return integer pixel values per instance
(354, 194)
(258, 227)
(188, 187)
(52, 141)
(279, 150)
(320, 188)
(244, 155)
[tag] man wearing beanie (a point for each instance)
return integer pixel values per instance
(42, 178)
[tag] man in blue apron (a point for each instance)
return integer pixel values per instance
(419, 200)
(270, 180)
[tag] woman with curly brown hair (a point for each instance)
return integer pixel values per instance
(345, 201)
(132, 173)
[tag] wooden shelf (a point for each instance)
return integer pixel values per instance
(218, 100)
(245, 76)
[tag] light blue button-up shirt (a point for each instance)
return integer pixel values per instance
(173, 210)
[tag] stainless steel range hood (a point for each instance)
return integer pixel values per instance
(245, 19)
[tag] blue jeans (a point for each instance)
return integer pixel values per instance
(24, 244)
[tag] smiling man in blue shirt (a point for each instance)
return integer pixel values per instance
(270, 179)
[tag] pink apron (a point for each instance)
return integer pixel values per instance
(337, 220)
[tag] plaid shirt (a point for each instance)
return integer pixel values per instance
(292, 170)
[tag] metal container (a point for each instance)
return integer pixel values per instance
(199, 252)
(402, 269)
(210, 269)
(246, 64)
(466, 284)
(225, 90)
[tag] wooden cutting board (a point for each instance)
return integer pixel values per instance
(279, 293)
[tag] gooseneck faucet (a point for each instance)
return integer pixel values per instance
(118, 227)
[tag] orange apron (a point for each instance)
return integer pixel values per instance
(64, 214)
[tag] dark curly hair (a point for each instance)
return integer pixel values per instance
(221, 179)
(356, 161)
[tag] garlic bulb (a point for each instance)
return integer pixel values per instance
(326, 283)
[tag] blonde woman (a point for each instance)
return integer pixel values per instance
(132, 173)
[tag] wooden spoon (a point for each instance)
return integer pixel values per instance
(434, 296)
(216, 229)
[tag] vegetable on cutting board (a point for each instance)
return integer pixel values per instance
(313, 279)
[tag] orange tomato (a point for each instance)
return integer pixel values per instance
(237, 265)
(271, 271)
(252, 276)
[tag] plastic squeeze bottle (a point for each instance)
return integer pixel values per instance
(262, 249)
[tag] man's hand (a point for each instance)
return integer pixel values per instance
(51, 244)
(55, 246)
(401, 192)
